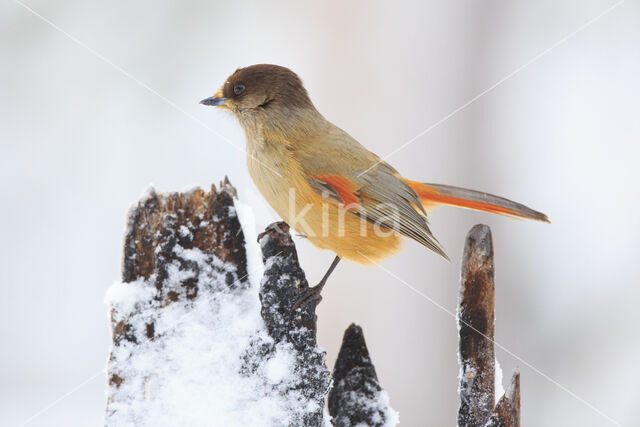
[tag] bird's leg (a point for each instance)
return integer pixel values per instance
(314, 292)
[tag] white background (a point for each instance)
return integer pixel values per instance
(80, 141)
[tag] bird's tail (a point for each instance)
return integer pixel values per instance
(438, 194)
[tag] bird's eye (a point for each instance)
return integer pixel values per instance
(238, 89)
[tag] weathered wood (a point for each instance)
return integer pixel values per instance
(507, 411)
(357, 397)
(476, 329)
(284, 281)
(195, 219)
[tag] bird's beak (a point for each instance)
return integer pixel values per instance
(214, 101)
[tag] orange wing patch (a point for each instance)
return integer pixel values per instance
(344, 187)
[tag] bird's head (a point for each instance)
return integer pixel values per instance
(261, 92)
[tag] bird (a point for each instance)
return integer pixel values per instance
(325, 184)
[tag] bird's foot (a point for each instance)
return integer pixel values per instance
(309, 295)
(313, 294)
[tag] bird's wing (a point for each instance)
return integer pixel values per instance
(347, 174)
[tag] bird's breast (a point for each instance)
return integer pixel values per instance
(274, 173)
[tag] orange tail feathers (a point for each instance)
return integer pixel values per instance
(438, 194)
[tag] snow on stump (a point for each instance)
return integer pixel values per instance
(357, 399)
(476, 340)
(190, 347)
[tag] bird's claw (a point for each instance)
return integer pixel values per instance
(309, 295)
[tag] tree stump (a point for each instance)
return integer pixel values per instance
(189, 344)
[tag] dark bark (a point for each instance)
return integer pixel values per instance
(284, 281)
(476, 325)
(355, 396)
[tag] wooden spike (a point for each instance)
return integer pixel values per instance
(507, 411)
(476, 328)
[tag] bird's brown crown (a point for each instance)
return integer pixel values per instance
(264, 86)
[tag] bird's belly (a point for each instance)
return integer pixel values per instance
(324, 223)
(347, 235)
(328, 226)
(272, 181)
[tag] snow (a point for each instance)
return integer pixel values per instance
(381, 405)
(277, 367)
(191, 372)
(148, 193)
(247, 219)
(374, 403)
(124, 297)
(499, 389)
